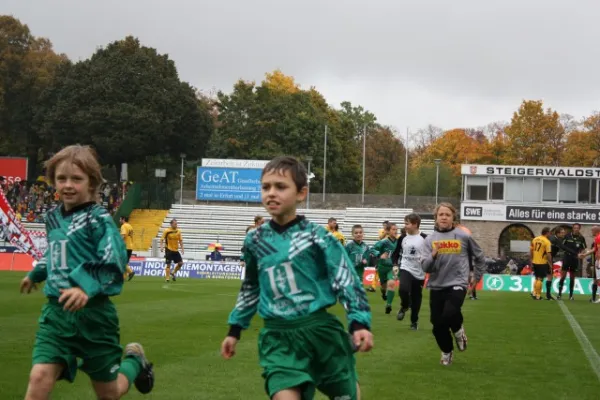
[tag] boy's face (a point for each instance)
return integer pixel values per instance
(332, 223)
(72, 185)
(393, 231)
(358, 234)
(410, 227)
(280, 196)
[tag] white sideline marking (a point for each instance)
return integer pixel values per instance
(588, 348)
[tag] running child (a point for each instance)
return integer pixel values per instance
(295, 270)
(383, 249)
(357, 250)
(83, 266)
(446, 258)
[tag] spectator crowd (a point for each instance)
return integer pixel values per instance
(31, 200)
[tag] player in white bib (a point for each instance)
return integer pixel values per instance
(408, 255)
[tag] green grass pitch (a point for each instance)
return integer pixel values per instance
(518, 348)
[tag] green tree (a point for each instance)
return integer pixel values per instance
(421, 181)
(28, 65)
(129, 103)
(278, 117)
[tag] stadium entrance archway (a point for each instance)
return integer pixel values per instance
(513, 242)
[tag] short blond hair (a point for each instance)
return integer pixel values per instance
(84, 157)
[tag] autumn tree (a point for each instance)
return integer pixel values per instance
(456, 147)
(384, 162)
(579, 151)
(28, 65)
(535, 136)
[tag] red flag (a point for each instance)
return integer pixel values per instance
(14, 232)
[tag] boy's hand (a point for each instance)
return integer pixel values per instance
(75, 299)
(27, 285)
(384, 256)
(363, 340)
(228, 347)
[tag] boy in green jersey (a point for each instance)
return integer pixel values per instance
(295, 270)
(82, 267)
(383, 249)
(357, 250)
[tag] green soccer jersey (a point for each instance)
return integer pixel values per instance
(296, 270)
(85, 250)
(387, 245)
(357, 251)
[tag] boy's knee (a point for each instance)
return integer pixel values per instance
(106, 390)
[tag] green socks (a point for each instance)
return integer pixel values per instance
(131, 368)
(390, 297)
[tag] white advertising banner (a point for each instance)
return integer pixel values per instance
(529, 213)
(530, 171)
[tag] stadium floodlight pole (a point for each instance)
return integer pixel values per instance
(324, 165)
(309, 159)
(181, 176)
(437, 178)
(364, 158)
(405, 166)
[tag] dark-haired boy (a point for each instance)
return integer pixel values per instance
(408, 254)
(357, 250)
(295, 270)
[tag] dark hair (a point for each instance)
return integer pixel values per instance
(389, 226)
(257, 218)
(413, 218)
(331, 219)
(385, 222)
(576, 224)
(546, 230)
(284, 164)
(124, 218)
(357, 226)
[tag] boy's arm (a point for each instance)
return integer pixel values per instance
(39, 273)
(181, 242)
(105, 276)
(376, 249)
(345, 283)
(397, 254)
(247, 301)
(427, 263)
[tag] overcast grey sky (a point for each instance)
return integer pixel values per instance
(460, 63)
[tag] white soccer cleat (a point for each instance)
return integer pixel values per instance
(461, 339)
(446, 358)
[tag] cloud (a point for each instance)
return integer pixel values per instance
(463, 63)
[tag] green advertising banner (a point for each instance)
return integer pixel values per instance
(524, 284)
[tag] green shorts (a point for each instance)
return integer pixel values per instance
(386, 273)
(309, 353)
(90, 335)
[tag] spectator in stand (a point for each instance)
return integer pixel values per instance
(31, 200)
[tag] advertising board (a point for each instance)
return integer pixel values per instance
(229, 180)
(13, 169)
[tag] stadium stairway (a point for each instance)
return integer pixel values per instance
(146, 224)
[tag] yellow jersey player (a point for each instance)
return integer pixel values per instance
(541, 260)
(333, 228)
(174, 242)
(127, 235)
